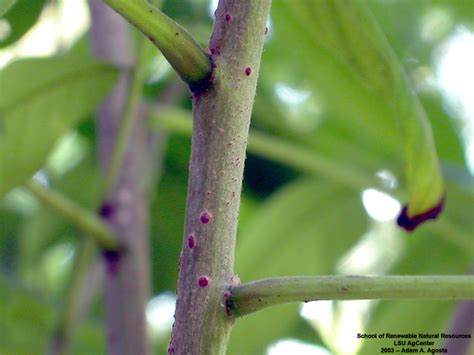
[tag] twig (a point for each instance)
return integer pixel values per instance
(254, 296)
(180, 49)
(88, 223)
(125, 208)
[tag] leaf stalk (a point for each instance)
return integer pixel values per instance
(253, 296)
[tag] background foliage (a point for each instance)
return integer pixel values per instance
(295, 219)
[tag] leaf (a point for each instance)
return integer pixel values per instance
(302, 229)
(168, 211)
(27, 314)
(304, 213)
(457, 225)
(349, 46)
(8, 239)
(447, 140)
(23, 314)
(41, 100)
(5, 5)
(432, 251)
(21, 17)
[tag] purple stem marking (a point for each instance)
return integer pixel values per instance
(411, 223)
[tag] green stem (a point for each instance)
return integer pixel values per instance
(221, 124)
(179, 48)
(277, 149)
(127, 119)
(87, 222)
(254, 296)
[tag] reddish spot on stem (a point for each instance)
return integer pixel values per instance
(248, 71)
(205, 217)
(170, 350)
(214, 65)
(226, 295)
(215, 50)
(191, 241)
(112, 261)
(229, 306)
(203, 281)
(411, 223)
(106, 210)
(228, 17)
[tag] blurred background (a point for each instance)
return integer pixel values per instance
(298, 216)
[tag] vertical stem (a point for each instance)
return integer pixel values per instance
(221, 124)
(127, 281)
(463, 323)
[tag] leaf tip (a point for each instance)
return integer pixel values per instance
(410, 223)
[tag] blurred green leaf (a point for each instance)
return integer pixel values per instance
(5, 5)
(167, 216)
(27, 319)
(429, 251)
(301, 230)
(456, 225)
(9, 257)
(448, 144)
(20, 17)
(45, 98)
(24, 316)
(304, 213)
(344, 43)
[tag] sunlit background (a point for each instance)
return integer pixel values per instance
(453, 74)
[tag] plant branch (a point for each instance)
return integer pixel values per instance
(221, 124)
(87, 222)
(254, 296)
(179, 48)
(129, 113)
(125, 208)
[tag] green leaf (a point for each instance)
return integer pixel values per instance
(5, 5)
(303, 229)
(432, 251)
(41, 100)
(168, 211)
(447, 140)
(26, 313)
(22, 314)
(457, 225)
(373, 89)
(21, 17)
